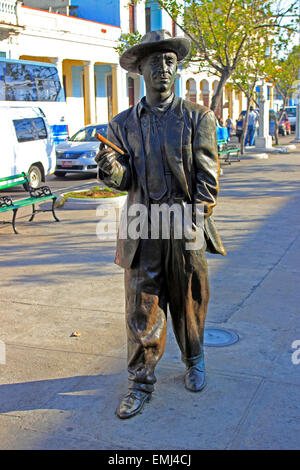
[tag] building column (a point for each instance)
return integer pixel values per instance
(118, 89)
(178, 86)
(142, 87)
(58, 62)
(89, 93)
(264, 140)
(198, 91)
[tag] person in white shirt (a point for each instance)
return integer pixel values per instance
(252, 119)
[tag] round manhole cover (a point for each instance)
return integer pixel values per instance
(219, 337)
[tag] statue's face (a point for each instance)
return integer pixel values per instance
(159, 70)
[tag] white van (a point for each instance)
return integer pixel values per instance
(26, 143)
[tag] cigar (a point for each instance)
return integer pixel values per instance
(109, 143)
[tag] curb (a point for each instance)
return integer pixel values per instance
(257, 156)
(73, 203)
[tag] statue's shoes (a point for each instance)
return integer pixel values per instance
(132, 403)
(194, 379)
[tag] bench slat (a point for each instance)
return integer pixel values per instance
(42, 194)
(15, 183)
(32, 200)
(13, 177)
(26, 202)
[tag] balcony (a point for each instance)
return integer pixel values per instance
(9, 25)
(52, 24)
(8, 12)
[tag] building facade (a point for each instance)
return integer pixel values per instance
(80, 36)
(82, 50)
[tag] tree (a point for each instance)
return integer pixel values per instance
(283, 73)
(248, 74)
(220, 30)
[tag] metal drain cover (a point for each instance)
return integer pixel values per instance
(219, 337)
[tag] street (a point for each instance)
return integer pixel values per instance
(80, 181)
(58, 184)
(71, 180)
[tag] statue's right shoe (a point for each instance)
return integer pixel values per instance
(194, 379)
(132, 403)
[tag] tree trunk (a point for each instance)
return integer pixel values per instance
(244, 133)
(218, 93)
(276, 130)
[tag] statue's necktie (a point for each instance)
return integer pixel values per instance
(156, 182)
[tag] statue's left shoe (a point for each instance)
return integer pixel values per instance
(132, 403)
(194, 379)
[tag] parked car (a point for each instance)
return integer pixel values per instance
(77, 154)
(27, 143)
(291, 113)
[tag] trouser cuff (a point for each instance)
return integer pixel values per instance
(149, 388)
(195, 360)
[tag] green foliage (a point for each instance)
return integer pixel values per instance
(126, 41)
(224, 32)
(283, 71)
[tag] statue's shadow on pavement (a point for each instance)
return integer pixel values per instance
(71, 393)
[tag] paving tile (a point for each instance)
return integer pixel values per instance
(273, 420)
(195, 418)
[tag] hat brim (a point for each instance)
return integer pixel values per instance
(130, 59)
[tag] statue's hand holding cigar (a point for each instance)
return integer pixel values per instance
(106, 158)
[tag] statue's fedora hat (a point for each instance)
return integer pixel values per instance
(153, 41)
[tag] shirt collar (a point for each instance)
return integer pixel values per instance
(160, 109)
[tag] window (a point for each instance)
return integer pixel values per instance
(19, 85)
(148, 19)
(83, 135)
(29, 82)
(291, 111)
(30, 129)
(47, 82)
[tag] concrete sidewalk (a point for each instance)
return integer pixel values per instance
(60, 392)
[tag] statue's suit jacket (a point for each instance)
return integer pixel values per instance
(191, 150)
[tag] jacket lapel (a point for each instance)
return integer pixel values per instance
(173, 143)
(134, 139)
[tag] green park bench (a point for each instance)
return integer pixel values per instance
(228, 152)
(36, 196)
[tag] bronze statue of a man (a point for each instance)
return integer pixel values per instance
(171, 157)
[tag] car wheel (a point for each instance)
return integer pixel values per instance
(35, 176)
(60, 173)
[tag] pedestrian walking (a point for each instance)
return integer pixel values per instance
(252, 120)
